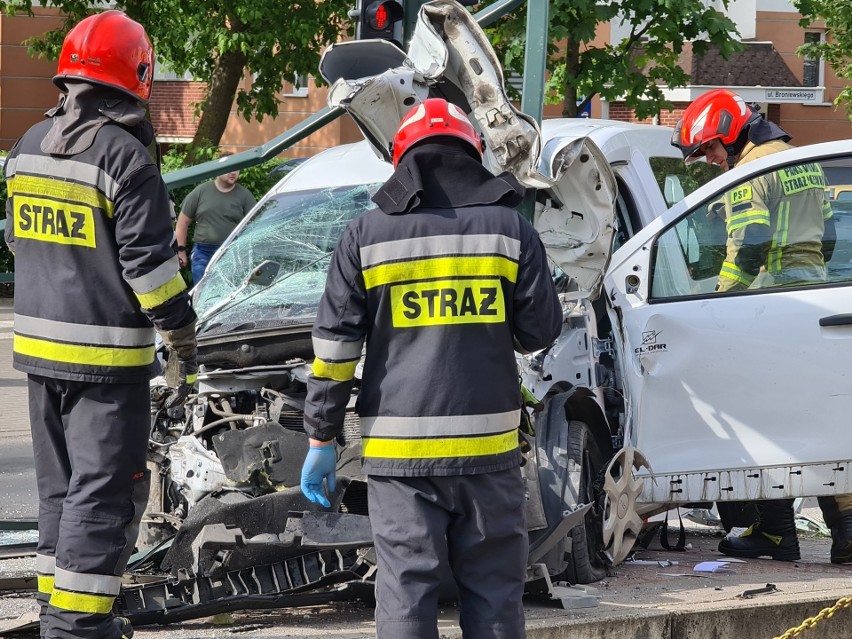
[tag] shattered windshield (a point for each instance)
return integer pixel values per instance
(299, 231)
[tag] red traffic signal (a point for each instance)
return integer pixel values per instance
(378, 19)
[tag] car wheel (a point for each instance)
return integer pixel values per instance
(587, 563)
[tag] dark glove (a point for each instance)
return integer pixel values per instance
(181, 367)
(181, 375)
(320, 463)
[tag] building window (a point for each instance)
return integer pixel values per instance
(164, 73)
(299, 88)
(812, 69)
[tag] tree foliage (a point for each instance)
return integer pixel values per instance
(219, 42)
(637, 68)
(836, 49)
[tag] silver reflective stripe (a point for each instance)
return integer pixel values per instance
(164, 273)
(87, 582)
(9, 167)
(440, 426)
(67, 170)
(83, 333)
(435, 245)
(330, 350)
(45, 564)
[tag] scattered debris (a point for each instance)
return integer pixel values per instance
(767, 589)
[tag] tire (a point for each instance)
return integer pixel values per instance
(586, 562)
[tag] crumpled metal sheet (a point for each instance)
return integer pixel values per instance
(577, 229)
(449, 55)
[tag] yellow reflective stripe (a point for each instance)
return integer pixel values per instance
(441, 267)
(735, 273)
(827, 213)
(60, 190)
(82, 602)
(87, 355)
(423, 448)
(744, 219)
(163, 293)
(779, 240)
(45, 584)
(338, 371)
(191, 379)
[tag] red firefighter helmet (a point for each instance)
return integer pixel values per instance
(434, 116)
(718, 114)
(110, 49)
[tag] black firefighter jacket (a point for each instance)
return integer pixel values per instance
(443, 282)
(91, 232)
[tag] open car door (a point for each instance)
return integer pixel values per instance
(738, 395)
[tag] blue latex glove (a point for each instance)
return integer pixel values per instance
(320, 463)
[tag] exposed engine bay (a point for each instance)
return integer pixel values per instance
(227, 525)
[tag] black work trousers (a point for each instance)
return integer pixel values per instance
(475, 524)
(89, 442)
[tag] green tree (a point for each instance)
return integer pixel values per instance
(637, 68)
(836, 49)
(219, 42)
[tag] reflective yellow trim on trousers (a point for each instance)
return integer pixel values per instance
(441, 267)
(45, 584)
(376, 447)
(86, 355)
(191, 379)
(162, 293)
(82, 602)
(338, 371)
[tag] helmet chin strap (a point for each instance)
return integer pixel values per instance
(736, 147)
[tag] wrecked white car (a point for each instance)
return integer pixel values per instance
(659, 391)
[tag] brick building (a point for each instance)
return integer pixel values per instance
(27, 91)
(794, 92)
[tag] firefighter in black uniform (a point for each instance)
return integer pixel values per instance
(444, 281)
(96, 270)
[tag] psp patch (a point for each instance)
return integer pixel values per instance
(46, 220)
(742, 194)
(443, 302)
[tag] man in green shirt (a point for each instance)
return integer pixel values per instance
(216, 208)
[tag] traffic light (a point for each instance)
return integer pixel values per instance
(380, 20)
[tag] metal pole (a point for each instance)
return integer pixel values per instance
(206, 170)
(491, 14)
(535, 66)
(535, 58)
(411, 8)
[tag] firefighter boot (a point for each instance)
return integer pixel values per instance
(841, 540)
(124, 627)
(772, 535)
(837, 512)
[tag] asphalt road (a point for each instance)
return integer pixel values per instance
(18, 497)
